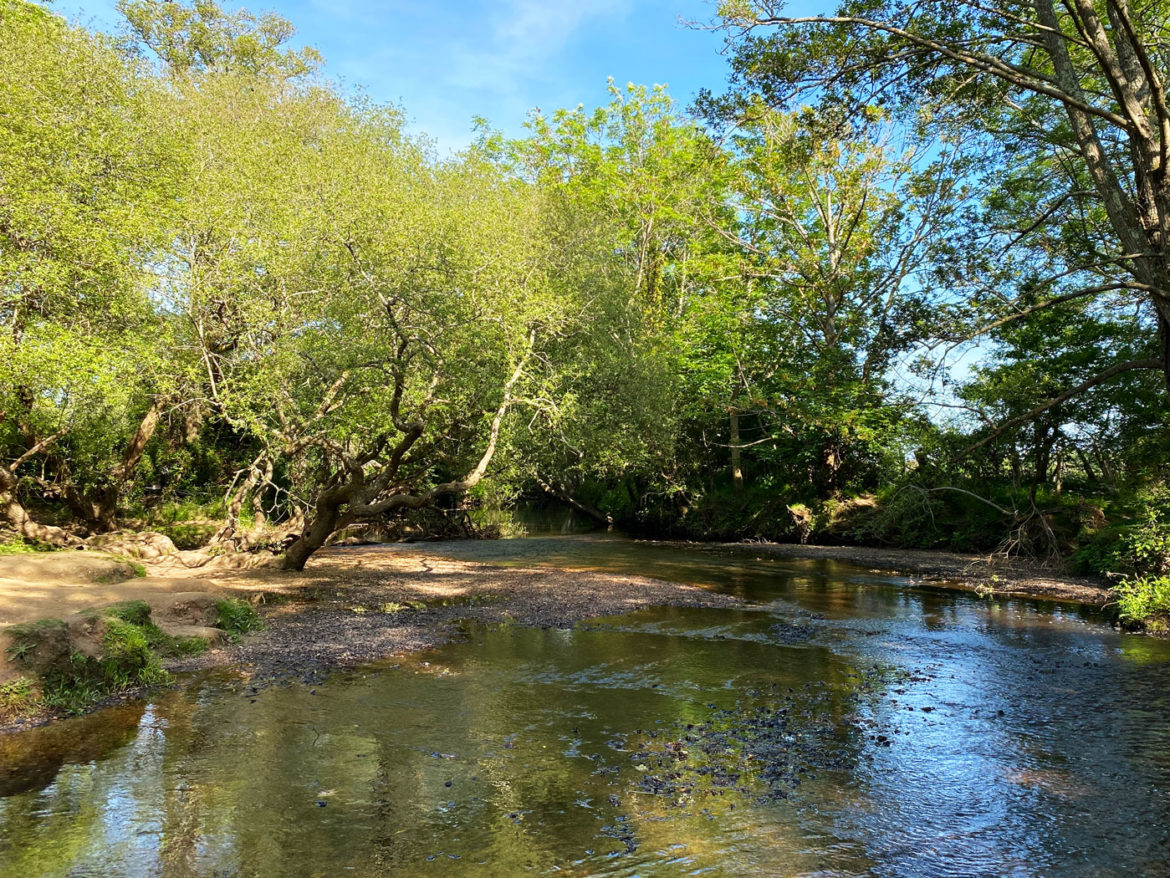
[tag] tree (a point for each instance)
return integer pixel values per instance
(202, 38)
(87, 171)
(627, 190)
(1035, 361)
(366, 315)
(1079, 85)
(837, 228)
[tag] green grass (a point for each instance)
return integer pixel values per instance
(135, 612)
(19, 546)
(17, 697)
(127, 662)
(237, 617)
(131, 647)
(165, 645)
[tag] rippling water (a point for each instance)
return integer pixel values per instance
(840, 724)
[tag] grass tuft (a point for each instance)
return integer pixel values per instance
(237, 617)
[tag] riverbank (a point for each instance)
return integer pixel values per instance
(360, 604)
(356, 605)
(984, 574)
(352, 606)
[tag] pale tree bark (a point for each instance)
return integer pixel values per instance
(14, 511)
(736, 462)
(104, 501)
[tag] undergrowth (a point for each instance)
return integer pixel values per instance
(1144, 602)
(237, 617)
(60, 677)
(22, 546)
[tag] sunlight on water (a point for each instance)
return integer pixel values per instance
(840, 725)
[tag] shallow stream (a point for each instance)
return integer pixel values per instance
(841, 723)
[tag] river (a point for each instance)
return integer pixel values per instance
(840, 723)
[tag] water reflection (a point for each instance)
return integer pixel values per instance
(831, 728)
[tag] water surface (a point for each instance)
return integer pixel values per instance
(841, 723)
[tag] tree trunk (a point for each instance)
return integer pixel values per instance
(327, 518)
(259, 517)
(1106, 467)
(231, 525)
(1088, 468)
(736, 464)
(98, 507)
(325, 522)
(22, 522)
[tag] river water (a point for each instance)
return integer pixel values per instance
(840, 723)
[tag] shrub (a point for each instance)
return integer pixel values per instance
(237, 616)
(1144, 602)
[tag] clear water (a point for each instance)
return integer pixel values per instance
(841, 723)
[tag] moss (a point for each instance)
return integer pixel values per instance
(169, 646)
(237, 617)
(135, 612)
(136, 567)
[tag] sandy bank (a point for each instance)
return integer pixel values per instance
(1002, 576)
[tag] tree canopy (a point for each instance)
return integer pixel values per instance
(227, 281)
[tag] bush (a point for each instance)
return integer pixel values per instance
(71, 680)
(1144, 602)
(1134, 551)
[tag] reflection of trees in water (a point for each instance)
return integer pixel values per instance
(49, 771)
(31, 760)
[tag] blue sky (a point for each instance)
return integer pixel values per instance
(448, 62)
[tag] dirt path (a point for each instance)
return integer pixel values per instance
(53, 585)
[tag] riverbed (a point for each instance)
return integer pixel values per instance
(833, 721)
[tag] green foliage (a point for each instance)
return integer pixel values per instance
(201, 37)
(1144, 602)
(231, 294)
(1135, 547)
(126, 661)
(237, 617)
(129, 652)
(134, 612)
(17, 697)
(25, 546)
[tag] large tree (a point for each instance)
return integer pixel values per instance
(1075, 91)
(88, 172)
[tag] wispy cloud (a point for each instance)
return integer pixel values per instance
(448, 62)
